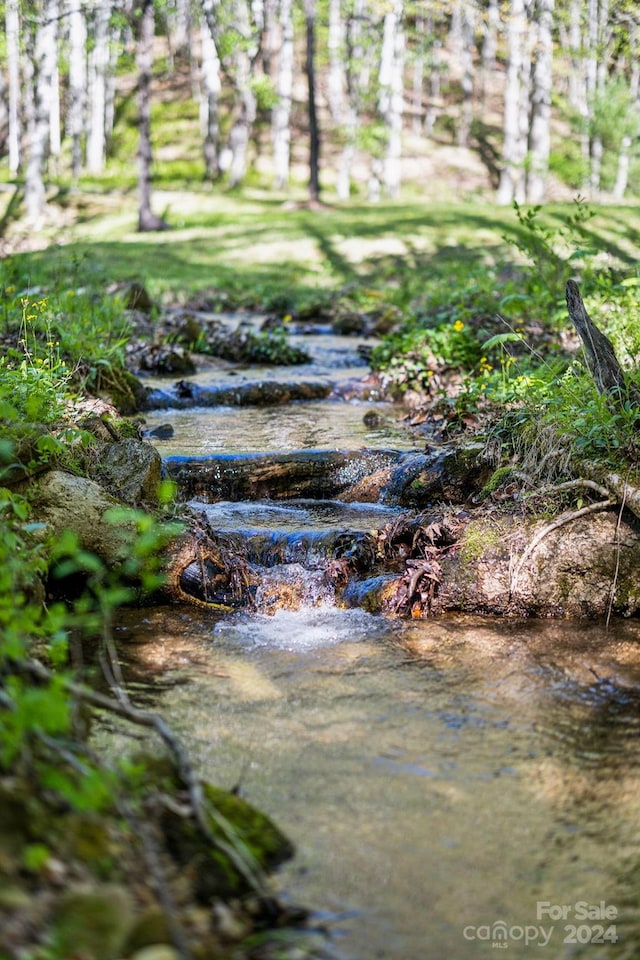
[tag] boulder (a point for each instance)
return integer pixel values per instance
(131, 470)
(62, 502)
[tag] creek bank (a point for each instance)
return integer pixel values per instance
(150, 874)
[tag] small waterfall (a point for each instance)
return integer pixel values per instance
(292, 586)
(308, 628)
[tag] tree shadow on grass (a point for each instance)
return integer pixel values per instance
(301, 250)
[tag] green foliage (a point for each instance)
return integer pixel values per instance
(249, 346)
(36, 715)
(549, 251)
(443, 327)
(615, 114)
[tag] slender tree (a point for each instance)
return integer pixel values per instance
(467, 30)
(514, 142)
(42, 53)
(281, 114)
(145, 29)
(540, 123)
(12, 26)
(77, 84)
(98, 69)
(211, 90)
(391, 98)
(312, 110)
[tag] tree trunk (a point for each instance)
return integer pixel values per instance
(314, 127)
(147, 220)
(626, 143)
(12, 25)
(491, 27)
(97, 87)
(540, 129)
(353, 57)
(391, 102)
(44, 66)
(281, 119)
(209, 103)
(466, 111)
(77, 84)
(336, 75)
(514, 146)
(601, 359)
(246, 108)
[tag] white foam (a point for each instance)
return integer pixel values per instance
(300, 630)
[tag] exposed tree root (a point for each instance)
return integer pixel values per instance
(549, 528)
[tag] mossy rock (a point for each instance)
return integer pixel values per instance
(150, 928)
(123, 390)
(235, 823)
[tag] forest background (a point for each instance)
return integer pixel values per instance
(525, 100)
(432, 172)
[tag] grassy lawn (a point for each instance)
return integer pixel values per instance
(254, 243)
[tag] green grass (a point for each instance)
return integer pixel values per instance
(257, 243)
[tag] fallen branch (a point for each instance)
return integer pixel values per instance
(579, 483)
(601, 358)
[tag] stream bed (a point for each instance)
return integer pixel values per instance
(452, 786)
(449, 785)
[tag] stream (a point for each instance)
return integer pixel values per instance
(452, 786)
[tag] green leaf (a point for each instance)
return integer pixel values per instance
(501, 338)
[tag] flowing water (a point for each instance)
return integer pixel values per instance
(450, 786)
(453, 786)
(305, 425)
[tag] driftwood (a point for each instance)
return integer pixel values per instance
(601, 358)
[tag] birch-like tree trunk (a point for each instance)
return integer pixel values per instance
(55, 137)
(77, 84)
(391, 97)
(98, 66)
(418, 65)
(434, 107)
(312, 109)
(467, 28)
(244, 55)
(4, 115)
(12, 26)
(44, 58)
(540, 125)
(281, 114)
(514, 148)
(491, 28)
(147, 220)
(210, 98)
(337, 67)
(624, 153)
(598, 27)
(354, 75)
